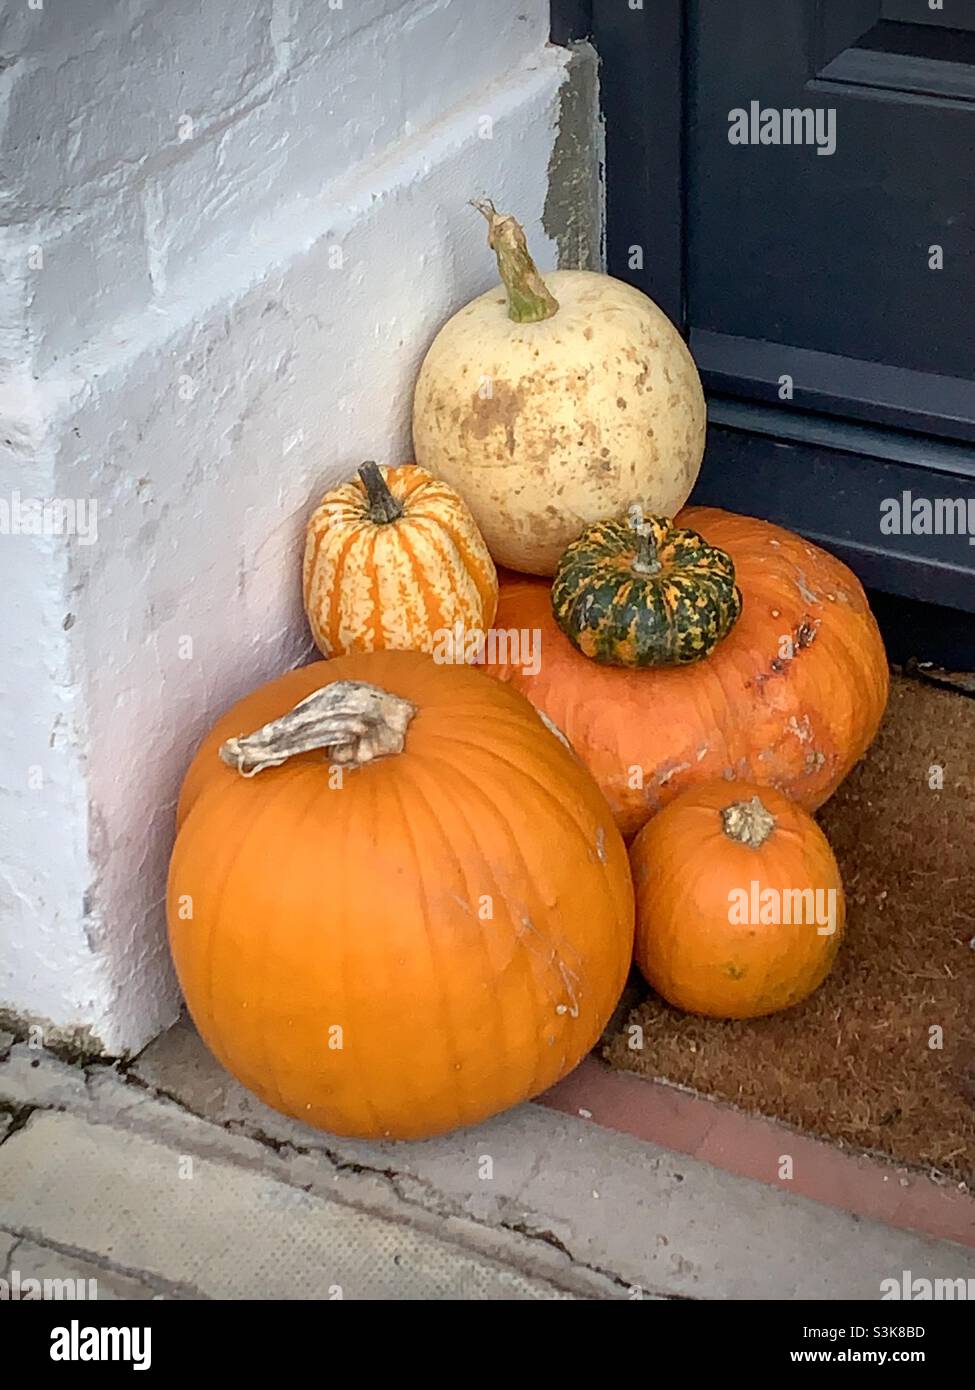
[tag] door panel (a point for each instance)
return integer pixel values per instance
(831, 254)
(777, 261)
(908, 58)
(823, 381)
(833, 483)
(837, 27)
(956, 14)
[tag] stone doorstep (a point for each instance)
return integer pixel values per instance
(751, 1147)
(591, 1211)
(653, 1112)
(712, 1131)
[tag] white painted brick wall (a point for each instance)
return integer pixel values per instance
(47, 967)
(97, 87)
(199, 365)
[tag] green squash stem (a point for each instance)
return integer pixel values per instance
(529, 300)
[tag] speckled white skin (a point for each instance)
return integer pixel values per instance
(546, 427)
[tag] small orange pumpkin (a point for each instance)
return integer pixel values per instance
(740, 907)
(426, 925)
(790, 698)
(394, 561)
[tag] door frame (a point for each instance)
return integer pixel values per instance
(643, 91)
(641, 64)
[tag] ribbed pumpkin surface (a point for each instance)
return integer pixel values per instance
(709, 952)
(461, 911)
(397, 585)
(791, 698)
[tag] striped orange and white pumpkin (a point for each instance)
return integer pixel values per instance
(394, 562)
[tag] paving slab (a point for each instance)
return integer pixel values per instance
(69, 1277)
(205, 1229)
(8, 1243)
(32, 1076)
(109, 1098)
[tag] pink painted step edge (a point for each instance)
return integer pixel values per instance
(752, 1147)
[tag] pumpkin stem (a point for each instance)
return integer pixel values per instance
(748, 822)
(645, 559)
(354, 721)
(383, 506)
(529, 299)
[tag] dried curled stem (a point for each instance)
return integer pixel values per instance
(529, 298)
(353, 721)
(748, 822)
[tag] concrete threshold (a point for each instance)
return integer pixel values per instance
(169, 1180)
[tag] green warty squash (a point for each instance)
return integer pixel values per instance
(642, 592)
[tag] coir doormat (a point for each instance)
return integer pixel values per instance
(882, 1057)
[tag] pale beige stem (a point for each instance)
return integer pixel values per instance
(645, 559)
(352, 721)
(748, 822)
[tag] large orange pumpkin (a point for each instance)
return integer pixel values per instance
(740, 906)
(791, 698)
(428, 924)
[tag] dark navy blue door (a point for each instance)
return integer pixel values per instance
(830, 173)
(793, 181)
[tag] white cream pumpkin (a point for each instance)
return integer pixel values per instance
(555, 401)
